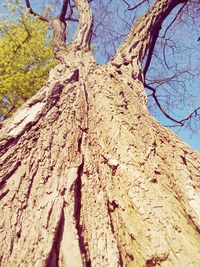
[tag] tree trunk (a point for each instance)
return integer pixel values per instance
(88, 177)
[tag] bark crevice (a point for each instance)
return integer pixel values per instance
(53, 258)
(77, 215)
(111, 206)
(9, 174)
(78, 182)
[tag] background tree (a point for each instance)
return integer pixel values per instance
(25, 58)
(88, 176)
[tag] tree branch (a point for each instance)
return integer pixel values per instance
(134, 7)
(34, 13)
(180, 122)
(150, 52)
(175, 18)
(84, 32)
(154, 39)
(64, 10)
(59, 38)
(59, 29)
(139, 39)
(71, 12)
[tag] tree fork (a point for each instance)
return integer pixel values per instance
(139, 39)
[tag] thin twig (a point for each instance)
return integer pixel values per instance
(180, 122)
(134, 7)
(178, 13)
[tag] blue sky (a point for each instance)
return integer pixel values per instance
(193, 86)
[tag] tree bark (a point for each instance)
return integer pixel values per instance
(59, 39)
(89, 178)
(141, 36)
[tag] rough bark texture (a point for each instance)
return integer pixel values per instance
(89, 178)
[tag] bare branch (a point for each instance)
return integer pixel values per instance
(191, 115)
(126, 3)
(175, 18)
(84, 33)
(34, 13)
(160, 106)
(154, 39)
(136, 6)
(71, 12)
(64, 10)
(180, 122)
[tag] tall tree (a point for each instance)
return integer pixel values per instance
(25, 61)
(88, 176)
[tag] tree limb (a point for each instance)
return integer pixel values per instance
(34, 13)
(64, 10)
(154, 39)
(139, 39)
(84, 32)
(134, 7)
(178, 13)
(180, 122)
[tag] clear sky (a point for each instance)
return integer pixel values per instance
(190, 137)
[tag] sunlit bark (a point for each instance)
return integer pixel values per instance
(89, 178)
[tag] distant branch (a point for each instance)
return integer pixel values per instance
(34, 13)
(175, 18)
(134, 7)
(71, 11)
(64, 10)
(180, 122)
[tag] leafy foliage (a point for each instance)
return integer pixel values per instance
(25, 61)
